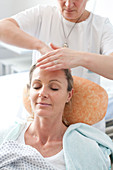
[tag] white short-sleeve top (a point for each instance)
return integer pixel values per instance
(93, 35)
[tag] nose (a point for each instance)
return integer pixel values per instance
(43, 93)
(69, 3)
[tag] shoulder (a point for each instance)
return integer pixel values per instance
(12, 130)
(84, 138)
(90, 132)
(99, 20)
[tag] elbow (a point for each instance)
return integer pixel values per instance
(109, 76)
(5, 26)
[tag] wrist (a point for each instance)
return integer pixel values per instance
(88, 59)
(80, 58)
(37, 45)
(42, 47)
(84, 59)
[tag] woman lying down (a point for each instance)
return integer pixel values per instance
(46, 143)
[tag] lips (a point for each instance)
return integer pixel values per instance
(43, 104)
(69, 10)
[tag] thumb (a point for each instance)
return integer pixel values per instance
(54, 47)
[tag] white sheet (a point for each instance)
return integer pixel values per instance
(11, 91)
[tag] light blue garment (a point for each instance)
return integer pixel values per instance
(109, 114)
(12, 131)
(85, 147)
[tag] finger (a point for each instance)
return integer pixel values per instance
(43, 62)
(43, 57)
(54, 47)
(47, 60)
(47, 55)
(48, 64)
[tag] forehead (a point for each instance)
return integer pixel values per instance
(49, 75)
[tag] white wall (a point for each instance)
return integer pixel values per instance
(102, 7)
(11, 7)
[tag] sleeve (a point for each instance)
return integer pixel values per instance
(30, 19)
(107, 38)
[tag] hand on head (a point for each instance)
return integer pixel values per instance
(58, 58)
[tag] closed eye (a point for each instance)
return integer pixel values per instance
(55, 89)
(36, 87)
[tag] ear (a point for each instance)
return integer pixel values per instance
(70, 94)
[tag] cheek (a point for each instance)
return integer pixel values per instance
(59, 98)
(61, 5)
(77, 4)
(80, 4)
(83, 4)
(33, 96)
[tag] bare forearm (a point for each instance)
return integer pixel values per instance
(67, 58)
(100, 64)
(11, 33)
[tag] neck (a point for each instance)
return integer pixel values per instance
(81, 18)
(47, 131)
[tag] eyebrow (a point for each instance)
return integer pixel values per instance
(36, 80)
(49, 81)
(55, 80)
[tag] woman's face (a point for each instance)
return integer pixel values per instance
(72, 9)
(49, 93)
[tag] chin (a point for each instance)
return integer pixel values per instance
(68, 17)
(42, 113)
